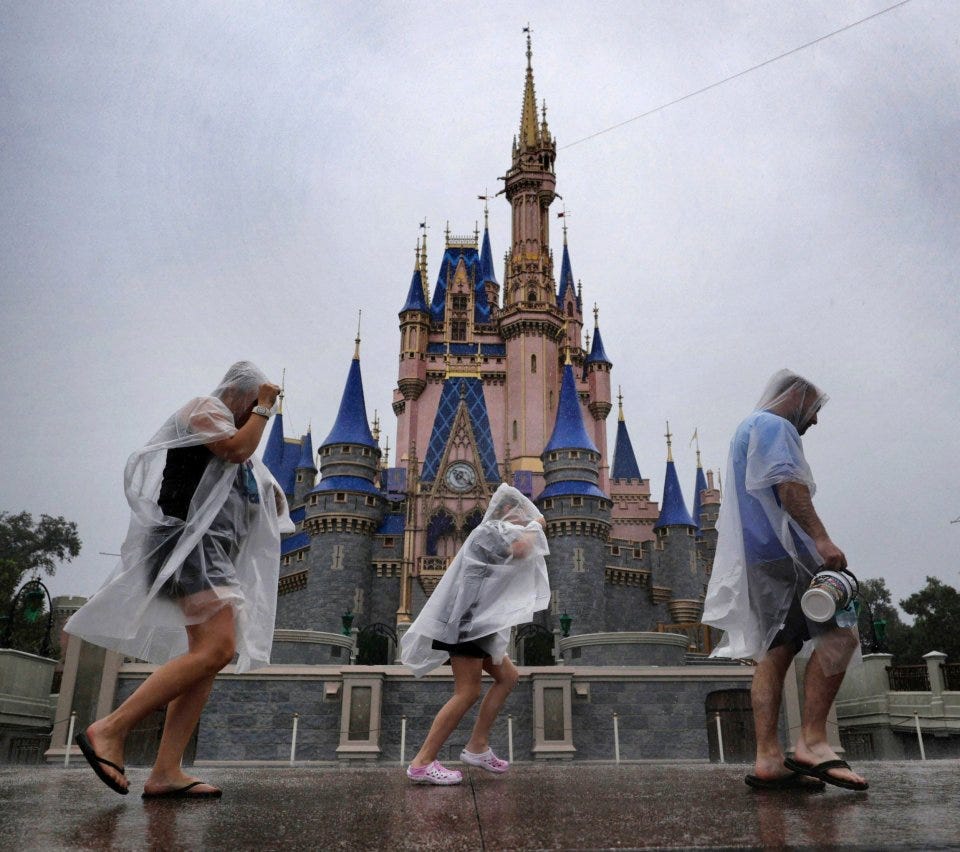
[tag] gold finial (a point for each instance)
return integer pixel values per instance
(669, 436)
(385, 461)
(620, 401)
(416, 254)
(283, 382)
(446, 232)
(563, 215)
(423, 264)
(587, 348)
(376, 426)
(579, 290)
(596, 315)
(566, 344)
(527, 29)
(356, 350)
(476, 232)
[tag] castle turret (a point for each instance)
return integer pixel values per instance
(343, 512)
(569, 304)
(281, 456)
(634, 514)
(676, 566)
(488, 274)
(530, 322)
(306, 470)
(414, 337)
(597, 367)
(577, 513)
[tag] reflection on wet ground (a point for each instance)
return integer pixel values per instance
(549, 806)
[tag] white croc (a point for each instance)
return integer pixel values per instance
(434, 773)
(488, 760)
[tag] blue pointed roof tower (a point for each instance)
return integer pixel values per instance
(566, 276)
(597, 354)
(487, 272)
(624, 461)
(568, 431)
(700, 485)
(351, 426)
(306, 452)
(673, 510)
(416, 295)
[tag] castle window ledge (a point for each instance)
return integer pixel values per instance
(626, 576)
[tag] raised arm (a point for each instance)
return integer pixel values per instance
(795, 498)
(242, 444)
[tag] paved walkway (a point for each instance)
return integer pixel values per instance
(554, 806)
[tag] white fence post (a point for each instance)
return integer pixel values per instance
(293, 739)
(403, 739)
(720, 738)
(916, 720)
(616, 738)
(66, 752)
(510, 737)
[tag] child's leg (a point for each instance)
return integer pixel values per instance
(505, 679)
(467, 672)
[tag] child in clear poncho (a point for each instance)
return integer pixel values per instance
(497, 580)
(197, 579)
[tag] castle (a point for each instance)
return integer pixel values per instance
(495, 383)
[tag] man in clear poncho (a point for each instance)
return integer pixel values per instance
(771, 542)
(197, 579)
(497, 580)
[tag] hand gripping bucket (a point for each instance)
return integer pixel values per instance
(829, 592)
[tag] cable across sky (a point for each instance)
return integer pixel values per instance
(735, 76)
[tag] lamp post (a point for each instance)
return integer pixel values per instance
(32, 593)
(347, 621)
(565, 622)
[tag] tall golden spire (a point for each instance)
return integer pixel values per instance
(620, 402)
(529, 130)
(669, 437)
(356, 349)
(422, 263)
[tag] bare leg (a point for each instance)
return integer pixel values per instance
(819, 691)
(504, 680)
(467, 672)
(211, 647)
(766, 694)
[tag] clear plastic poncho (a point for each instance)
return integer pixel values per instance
(229, 542)
(498, 579)
(764, 560)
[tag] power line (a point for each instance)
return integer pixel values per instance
(738, 74)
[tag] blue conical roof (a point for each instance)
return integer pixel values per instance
(487, 272)
(415, 300)
(273, 451)
(699, 485)
(351, 426)
(673, 511)
(624, 461)
(569, 432)
(566, 278)
(306, 452)
(597, 353)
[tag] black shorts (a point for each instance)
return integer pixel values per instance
(460, 649)
(202, 568)
(795, 630)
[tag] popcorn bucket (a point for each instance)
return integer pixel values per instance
(829, 592)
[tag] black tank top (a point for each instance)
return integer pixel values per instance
(181, 476)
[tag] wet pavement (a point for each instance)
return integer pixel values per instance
(535, 806)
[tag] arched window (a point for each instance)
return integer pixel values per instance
(533, 363)
(531, 295)
(441, 535)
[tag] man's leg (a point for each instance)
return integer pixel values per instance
(766, 694)
(819, 691)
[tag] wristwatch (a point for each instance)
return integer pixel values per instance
(263, 411)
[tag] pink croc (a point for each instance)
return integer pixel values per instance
(488, 760)
(434, 773)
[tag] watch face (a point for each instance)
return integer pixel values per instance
(460, 476)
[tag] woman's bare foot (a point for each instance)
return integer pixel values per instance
(163, 783)
(108, 746)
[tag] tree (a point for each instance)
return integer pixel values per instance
(936, 612)
(26, 550)
(879, 621)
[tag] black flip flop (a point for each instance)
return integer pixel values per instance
(95, 761)
(822, 772)
(793, 781)
(183, 793)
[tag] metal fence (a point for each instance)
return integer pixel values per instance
(909, 678)
(951, 676)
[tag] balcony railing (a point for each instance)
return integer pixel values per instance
(909, 678)
(951, 676)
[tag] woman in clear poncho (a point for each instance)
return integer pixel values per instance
(197, 579)
(497, 580)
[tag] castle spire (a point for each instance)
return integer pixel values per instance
(624, 461)
(673, 510)
(351, 426)
(569, 431)
(416, 295)
(699, 485)
(529, 131)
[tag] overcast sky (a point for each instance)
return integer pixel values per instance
(187, 184)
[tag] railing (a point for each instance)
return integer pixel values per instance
(951, 676)
(909, 678)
